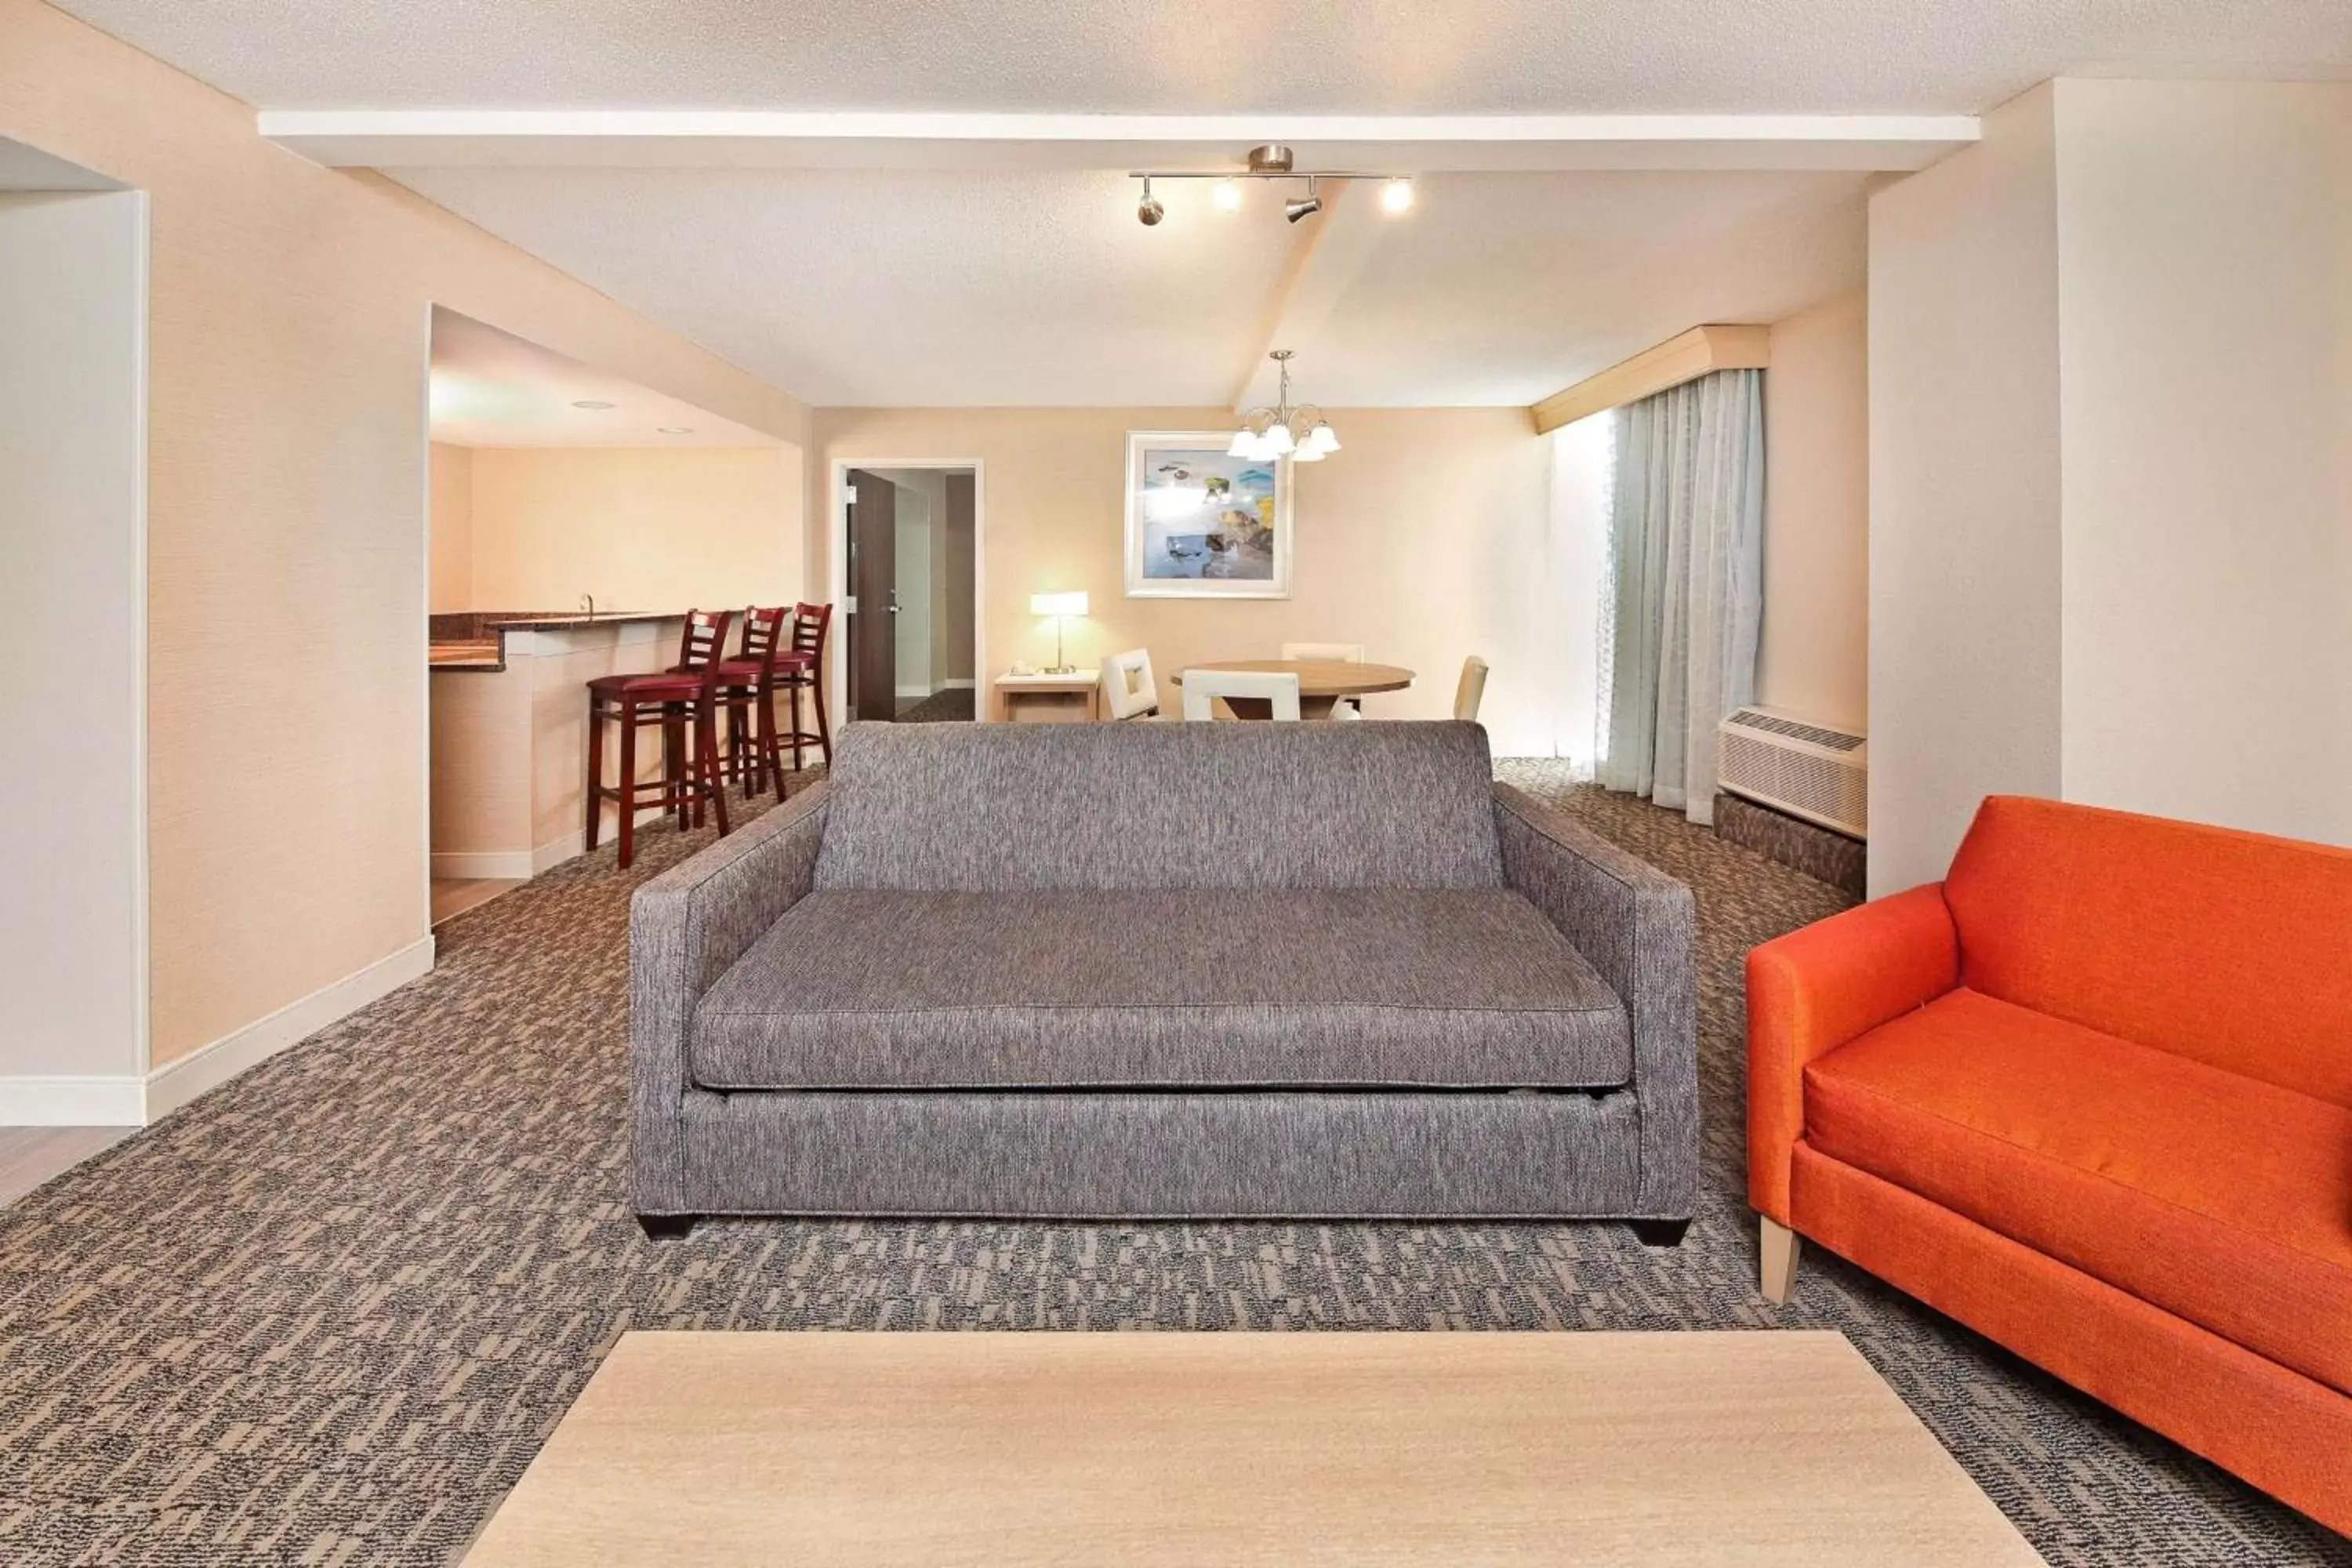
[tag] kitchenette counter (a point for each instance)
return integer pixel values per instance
(476, 640)
(509, 709)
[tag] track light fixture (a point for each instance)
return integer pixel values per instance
(1270, 161)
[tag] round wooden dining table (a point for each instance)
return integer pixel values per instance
(1322, 683)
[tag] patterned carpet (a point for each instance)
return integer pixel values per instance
(326, 1314)
(952, 706)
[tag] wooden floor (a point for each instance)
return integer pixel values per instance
(31, 1155)
(692, 1450)
(456, 895)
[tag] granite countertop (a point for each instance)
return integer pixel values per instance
(474, 640)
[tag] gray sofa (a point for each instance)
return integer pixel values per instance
(1163, 970)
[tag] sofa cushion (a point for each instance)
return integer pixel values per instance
(2232, 949)
(1469, 988)
(2219, 1197)
(996, 807)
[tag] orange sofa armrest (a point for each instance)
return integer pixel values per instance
(1813, 990)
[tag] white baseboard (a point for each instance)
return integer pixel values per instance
(966, 684)
(914, 691)
(175, 1083)
(556, 851)
(39, 1101)
(495, 864)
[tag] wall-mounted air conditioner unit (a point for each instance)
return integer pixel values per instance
(1809, 770)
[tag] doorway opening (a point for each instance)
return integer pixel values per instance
(909, 559)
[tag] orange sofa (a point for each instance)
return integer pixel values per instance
(2092, 1096)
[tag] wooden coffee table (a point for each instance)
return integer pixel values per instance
(691, 1450)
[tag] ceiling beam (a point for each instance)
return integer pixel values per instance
(1332, 247)
(426, 138)
(1700, 352)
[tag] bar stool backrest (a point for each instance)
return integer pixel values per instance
(704, 636)
(764, 633)
(810, 623)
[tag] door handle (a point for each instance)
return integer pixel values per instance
(894, 601)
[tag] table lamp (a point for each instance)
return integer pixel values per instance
(1061, 606)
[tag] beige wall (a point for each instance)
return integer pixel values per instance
(1814, 658)
(717, 527)
(287, 512)
(2205, 329)
(451, 524)
(1964, 568)
(2111, 503)
(1424, 539)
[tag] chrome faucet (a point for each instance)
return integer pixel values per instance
(588, 603)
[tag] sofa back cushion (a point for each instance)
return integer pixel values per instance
(1001, 807)
(2229, 948)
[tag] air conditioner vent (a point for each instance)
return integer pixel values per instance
(1771, 723)
(1806, 769)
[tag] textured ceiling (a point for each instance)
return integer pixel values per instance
(1505, 288)
(907, 286)
(879, 288)
(492, 389)
(1461, 56)
(992, 285)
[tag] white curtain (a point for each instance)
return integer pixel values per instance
(1686, 589)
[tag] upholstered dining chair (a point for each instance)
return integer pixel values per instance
(1128, 690)
(1204, 687)
(1338, 652)
(1473, 688)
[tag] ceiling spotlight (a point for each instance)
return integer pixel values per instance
(673, 429)
(1229, 196)
(1307, 205)
(1396, 196)
(1149, 211)
(592, 403)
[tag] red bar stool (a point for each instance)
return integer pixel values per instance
(685, 702)
(802, 668)
(747, 689)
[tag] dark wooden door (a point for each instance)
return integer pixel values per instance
(872, 583)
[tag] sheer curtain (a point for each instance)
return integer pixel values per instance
(1685, 584)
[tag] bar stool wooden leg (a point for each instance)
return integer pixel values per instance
(628, 834)
(792, 693)
(714, 781)
(768, 766)
(595, 774)
(824, 733)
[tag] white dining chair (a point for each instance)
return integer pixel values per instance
(1473, 688)
(1204, 687)
(1128, 690)
(1338, 652)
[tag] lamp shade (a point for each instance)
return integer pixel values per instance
(1057, 603)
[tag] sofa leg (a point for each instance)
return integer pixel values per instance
(1660, 1232)
(1780, 1249)
(666, 1226)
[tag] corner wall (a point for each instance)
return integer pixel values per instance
(287, 571)
(2111, 501)
(73, 909)
(1813, 656)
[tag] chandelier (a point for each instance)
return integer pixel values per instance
(1296, 431)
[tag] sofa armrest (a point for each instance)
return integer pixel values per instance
(1814, 989)
(1635, 925)
(686, 926)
